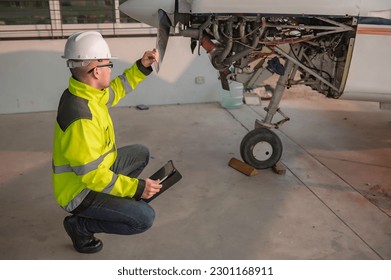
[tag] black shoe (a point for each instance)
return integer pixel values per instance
(82, 243)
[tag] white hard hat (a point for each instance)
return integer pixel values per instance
(84, 46)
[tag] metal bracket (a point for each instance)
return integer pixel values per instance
(276, 125)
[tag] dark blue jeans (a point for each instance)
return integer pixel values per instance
(117, 215)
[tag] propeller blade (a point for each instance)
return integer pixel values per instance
(163, 33)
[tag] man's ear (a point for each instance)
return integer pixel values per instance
(95, 73)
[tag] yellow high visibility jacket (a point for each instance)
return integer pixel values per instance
(84, 141)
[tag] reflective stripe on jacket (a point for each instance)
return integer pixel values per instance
(84, 141)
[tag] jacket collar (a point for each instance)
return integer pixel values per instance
(85, 91)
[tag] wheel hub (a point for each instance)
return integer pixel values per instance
(262, 151)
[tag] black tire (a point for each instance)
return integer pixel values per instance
(261, 148)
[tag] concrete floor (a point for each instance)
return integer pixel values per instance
(333, 203)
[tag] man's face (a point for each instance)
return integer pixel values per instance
(102, 70)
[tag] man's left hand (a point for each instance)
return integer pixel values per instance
(150, 57)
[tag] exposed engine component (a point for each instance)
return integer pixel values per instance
(242, 46)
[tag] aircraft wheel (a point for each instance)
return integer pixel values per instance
(261, 148)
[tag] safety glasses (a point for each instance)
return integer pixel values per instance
(110, 65)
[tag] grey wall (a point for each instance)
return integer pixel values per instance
(33, 75)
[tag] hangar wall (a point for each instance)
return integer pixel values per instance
(33, 75)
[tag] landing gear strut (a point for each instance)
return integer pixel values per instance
(261, 147)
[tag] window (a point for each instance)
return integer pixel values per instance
(90, 11)
(61, 18)
(24, 12)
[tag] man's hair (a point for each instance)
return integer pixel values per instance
(79, 72)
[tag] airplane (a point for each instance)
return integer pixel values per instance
(338, 48)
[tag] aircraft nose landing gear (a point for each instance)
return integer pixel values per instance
(262, 148)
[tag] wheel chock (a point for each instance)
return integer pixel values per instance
(242, 167)
(279, 168)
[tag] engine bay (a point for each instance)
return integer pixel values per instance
(250, 48)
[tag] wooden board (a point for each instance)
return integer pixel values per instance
(242, 167)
